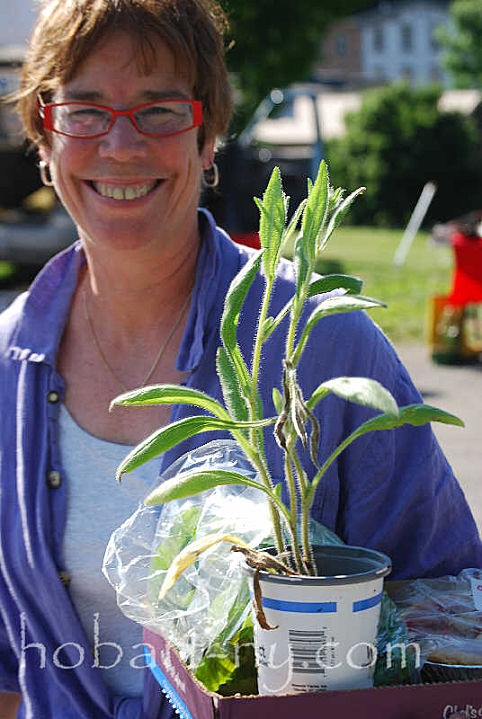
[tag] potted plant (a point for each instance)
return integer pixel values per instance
(293, 562)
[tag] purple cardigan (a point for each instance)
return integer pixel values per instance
(393, 491)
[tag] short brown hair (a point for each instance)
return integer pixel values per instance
(67, 31)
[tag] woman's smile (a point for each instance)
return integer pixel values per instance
(124, 191)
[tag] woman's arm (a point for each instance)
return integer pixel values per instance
(8, 705)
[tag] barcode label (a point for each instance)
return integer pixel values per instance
(308, 651)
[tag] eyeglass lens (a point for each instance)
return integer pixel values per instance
(159, 118)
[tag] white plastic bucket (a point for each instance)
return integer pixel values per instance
(327, 625)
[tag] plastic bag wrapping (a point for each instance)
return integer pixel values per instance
(443, 616)
(207, 614)
(140, 551)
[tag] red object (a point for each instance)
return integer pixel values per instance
(467, 277)
(250, 239)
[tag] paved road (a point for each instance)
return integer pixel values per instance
(457, 389)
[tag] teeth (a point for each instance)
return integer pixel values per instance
(127, 192)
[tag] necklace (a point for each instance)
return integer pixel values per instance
(158, 356)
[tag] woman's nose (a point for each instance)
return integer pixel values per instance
(123, 141)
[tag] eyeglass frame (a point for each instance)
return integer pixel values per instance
(45, 112)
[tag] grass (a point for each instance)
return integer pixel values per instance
(367, 252)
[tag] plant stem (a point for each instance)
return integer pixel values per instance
(308, 557)
(258, 464)
(294, 515)
(256, 435)
(258, 346)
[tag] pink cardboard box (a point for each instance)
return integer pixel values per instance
(192, 701)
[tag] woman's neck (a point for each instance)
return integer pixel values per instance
(132, 296)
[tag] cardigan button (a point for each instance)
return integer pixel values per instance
(54, 479)
(53, 397)
(65, 579)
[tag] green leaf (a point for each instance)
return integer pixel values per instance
(235, 297)
(230, 319)
(352, 285)
(167, 437)
(182, 532)
(268, 327)
(414, 414)
(340, 213)
(169, 394)
(272, 222)
(331, 306)
(315, 212)
(361, 390)
(188, 484)
(301, 263)
(277, 400)
(233, 396)
(229, 660)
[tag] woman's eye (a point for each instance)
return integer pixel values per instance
(86, 114)
(156, 112)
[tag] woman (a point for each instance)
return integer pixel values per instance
(124, 100)
(131, 183)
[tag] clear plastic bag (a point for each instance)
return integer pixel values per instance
(196, 610)
(443, 616)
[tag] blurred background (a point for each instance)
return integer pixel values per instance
(389, 93)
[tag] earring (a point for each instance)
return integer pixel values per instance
(211, 176)
(45, 175)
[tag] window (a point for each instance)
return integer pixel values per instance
(378, 38)
(406, 37)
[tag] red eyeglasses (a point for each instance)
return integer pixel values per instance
(87, 120)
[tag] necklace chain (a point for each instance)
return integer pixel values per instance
(159, 354)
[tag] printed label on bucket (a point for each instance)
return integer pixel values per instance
(318, 645)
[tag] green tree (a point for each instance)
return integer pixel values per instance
(462, 44)
(275, 42)
(397, 142)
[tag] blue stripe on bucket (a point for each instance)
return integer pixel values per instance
(176, 701)
(301, 607)
(363, 604)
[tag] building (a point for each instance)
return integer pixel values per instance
(341, 60)
(391, 41)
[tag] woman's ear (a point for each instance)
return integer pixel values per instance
(45, 152)
(207, 153)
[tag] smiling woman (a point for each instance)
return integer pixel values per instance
(123, 100)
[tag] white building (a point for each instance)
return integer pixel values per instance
(397, 41)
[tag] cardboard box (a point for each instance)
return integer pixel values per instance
(192, 701)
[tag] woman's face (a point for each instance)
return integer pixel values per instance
(165, 171)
